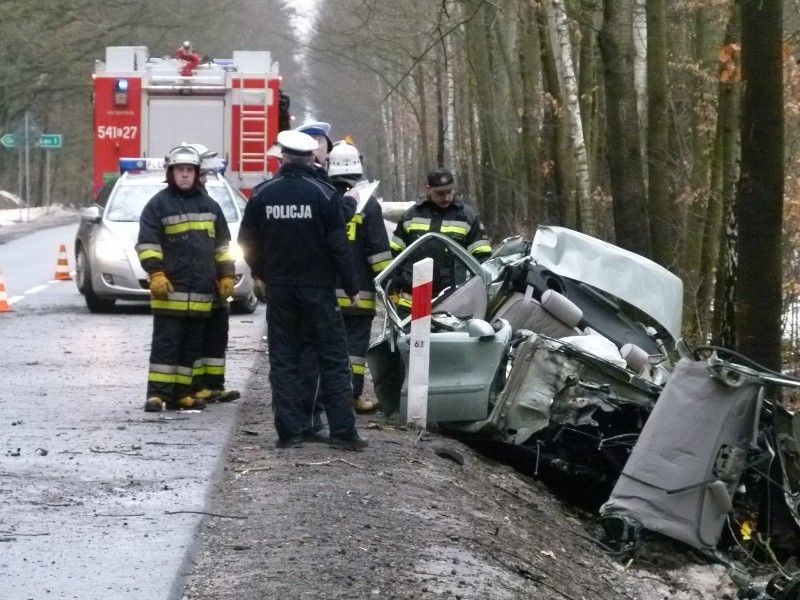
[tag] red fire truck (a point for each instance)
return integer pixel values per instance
(144, 106)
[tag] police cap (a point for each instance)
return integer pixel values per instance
(317, 128)
(297, 143)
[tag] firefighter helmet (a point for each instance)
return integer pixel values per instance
(208, 159)
(187, 45)
(182, 155)
(344, 159)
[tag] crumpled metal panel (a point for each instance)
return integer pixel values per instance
(628, 276)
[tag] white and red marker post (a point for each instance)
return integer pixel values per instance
(419, 354)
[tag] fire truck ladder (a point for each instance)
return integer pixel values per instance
(253, 134)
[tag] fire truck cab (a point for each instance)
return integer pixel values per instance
(144, 106)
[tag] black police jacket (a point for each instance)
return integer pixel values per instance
(292, 232)
(185, 236)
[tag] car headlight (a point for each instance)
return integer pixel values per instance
(109, 249)
(236, 251)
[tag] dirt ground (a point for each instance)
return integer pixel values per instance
(406, 519)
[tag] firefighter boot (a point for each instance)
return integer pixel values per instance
(188, 402)
(363, 406)
(153, 404)
(208, 396)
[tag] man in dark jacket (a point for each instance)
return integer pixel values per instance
(443, 211)
(369, 246)
(184, 246)
(294, 240)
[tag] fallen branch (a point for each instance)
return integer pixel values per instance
(124, 453)
(202, 512)
(248, 469)
(326, 462)
(120, 516)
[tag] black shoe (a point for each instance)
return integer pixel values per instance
(228, 395)
(320, 436)
(292, 442)
(355, 443)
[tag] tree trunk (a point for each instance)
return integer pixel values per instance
(658, 133)
(530, 76)
(759, 200)
(631, 225)
(563, 49)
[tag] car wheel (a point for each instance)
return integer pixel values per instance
(83, 279)
(245, 306)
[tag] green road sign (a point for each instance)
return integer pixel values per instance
(7, 140)
(50, 140)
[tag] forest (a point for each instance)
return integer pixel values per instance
(666, 128)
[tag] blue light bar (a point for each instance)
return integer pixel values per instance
(141, 164)
(121, 85)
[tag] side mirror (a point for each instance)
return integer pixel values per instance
(93, 214)
(479, 328)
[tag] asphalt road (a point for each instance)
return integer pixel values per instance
(98, 499)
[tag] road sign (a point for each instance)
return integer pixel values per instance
(50, 140)
(7, 140)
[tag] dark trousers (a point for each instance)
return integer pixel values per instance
(308, 315)
(174, 356)
(359, 330)
(215, 343)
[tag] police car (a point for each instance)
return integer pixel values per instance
(106, 264)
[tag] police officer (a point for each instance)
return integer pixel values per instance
(184, 246)
(294, 240)
(369, 246)
(319, 130)
(440, 210)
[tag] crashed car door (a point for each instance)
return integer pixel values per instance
(462, 368)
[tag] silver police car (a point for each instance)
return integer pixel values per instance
(106, 264)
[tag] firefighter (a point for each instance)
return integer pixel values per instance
(294, 240)
(183, 245)
(440, 210)
(369, 246)
(209, 383)
(188, 57)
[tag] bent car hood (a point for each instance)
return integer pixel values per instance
(628, 276)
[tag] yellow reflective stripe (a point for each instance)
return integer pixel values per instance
(351, 231)
(378, 267)
(481, 249)
(215, 370)
(358, 369)
(404, 302)
(224, 257)
(184, 379)
(395, 246)
(418, 227)
(197, 371)
(162, 377)
(363, 303)
(357, 219)
(454, 229)
(207, 226)
(181, 305)
(151, 254)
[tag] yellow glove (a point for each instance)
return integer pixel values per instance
(225, 286)
(160, 287)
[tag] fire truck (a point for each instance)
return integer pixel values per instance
(144, 106)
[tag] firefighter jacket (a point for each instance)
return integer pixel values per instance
(292, 232)
(458, 221)
(185, 236)
(370, 251)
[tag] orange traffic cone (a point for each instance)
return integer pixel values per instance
(62, 268)
(4, 307)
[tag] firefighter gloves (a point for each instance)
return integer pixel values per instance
(160, 287)
(226, 283)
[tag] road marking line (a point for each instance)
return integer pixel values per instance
(14, 299)
(36, 289)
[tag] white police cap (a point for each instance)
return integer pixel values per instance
(315, 128)
(297, 143)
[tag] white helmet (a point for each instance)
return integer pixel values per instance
(344, 159)
(208, 158)
(182, 155)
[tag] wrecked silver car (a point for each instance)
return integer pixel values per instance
(560, 345)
